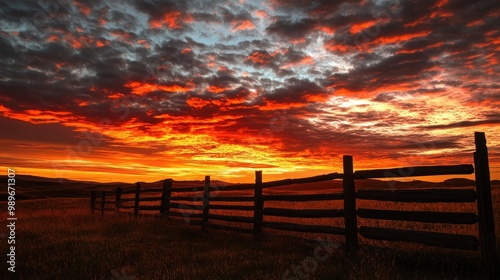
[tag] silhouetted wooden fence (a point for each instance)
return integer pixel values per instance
(195, 204)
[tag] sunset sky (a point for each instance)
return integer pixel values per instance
(146, 90)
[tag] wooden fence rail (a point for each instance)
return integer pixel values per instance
(415, 171)
(454, 241)
(426, 195)
(196, 206)
(419, 216)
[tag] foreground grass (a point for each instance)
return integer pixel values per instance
(59, 239)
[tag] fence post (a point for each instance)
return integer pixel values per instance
(165, 197)
(206, 202)
(118, 198)
(93, 196)
(137, 196)
(103, 201)
(258, 203)
(351, 228)
(487, 242)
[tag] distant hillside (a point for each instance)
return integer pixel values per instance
(460, 182)
(33, 187)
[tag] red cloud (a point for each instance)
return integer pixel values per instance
(172, 19)
(144, 43)
(242, 25)
(327, 29)
(101, 43)
(401, 38)
(355, 28)
(261, 14)
(123, 36)
(217, 89)
(38, 116)
(79, 42)
(273, 105)
(145, 88)
(53, 38)
(86, 10)
(307, 60)
(333, 46)
(259, 58)
(198, 103)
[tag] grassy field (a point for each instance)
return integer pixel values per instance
(58, 239)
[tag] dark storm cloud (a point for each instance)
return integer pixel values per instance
(125, 20)
(415, 59)
(396, 69)
(315, 8)
(222, 80)
(158, 8)
(295, 90)
(230, 17)
(85, 64)
(292, 29)
(17, 10)
(104, 68)
(383, 97)
(300, 135)
(206, 17)
(280, 62)
(173, 55)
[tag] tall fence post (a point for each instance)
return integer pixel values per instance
(165, 197)
(118, 198)
(487, 242)
(93, 196)
(351, 229)
(206, 202)
(103, 201)
(258, 203)
(137, 197)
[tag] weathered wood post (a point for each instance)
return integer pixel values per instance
(206, 202)
(166, 194)
(93, 196)
(137, 197)
(487, 242)
(118, 198)
(103, 202)
(258, 203)
(351, 228)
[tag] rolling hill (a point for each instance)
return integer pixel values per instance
(33, 187)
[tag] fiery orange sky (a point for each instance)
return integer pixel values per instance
(146, 90)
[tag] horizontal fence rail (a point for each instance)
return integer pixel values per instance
(207, 206)
(303, 197)
(232, 198)
(305, 213)
(446, 240)
(313, 179)
(415, 171)
(419, 216)
(303, 228)
(231, 207)
(241, 187)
